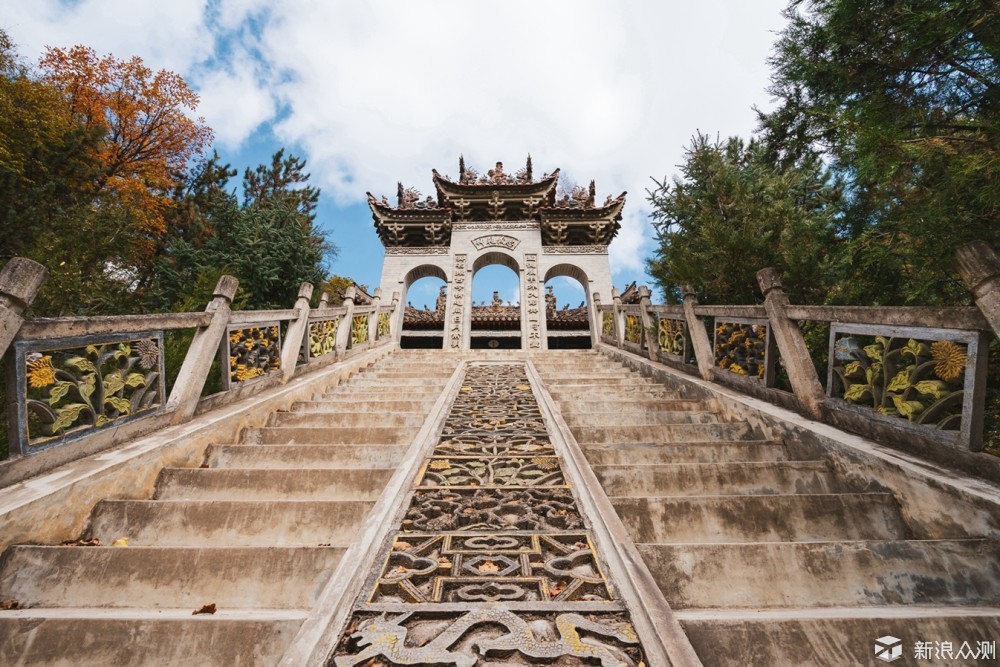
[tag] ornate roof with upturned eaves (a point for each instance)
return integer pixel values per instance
(496, 196)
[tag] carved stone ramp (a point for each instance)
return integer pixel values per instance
(772, 550)
(257, 531)
(497, 548)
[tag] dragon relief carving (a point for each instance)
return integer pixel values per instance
(466, 640)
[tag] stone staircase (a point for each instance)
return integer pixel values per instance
(257, 531)
(767, 559)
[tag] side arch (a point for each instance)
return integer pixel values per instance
(424, 271)
(570, 271)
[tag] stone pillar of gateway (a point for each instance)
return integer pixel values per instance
(513, 219)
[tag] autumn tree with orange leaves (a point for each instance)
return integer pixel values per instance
(146, 121)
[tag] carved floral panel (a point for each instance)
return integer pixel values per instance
(254, 352)
(671, 336)
(359, 329)
(915, 379)
(323, 337)
(741, 348)
(383, 325)
(88, 384)
(633, 329)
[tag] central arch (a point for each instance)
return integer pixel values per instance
(423, 327)
(497, 323)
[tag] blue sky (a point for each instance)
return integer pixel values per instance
(374, 92)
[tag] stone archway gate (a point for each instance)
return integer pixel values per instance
(497, 218)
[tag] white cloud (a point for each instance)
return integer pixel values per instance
(375, 92)
(171, 35)
(234, 102)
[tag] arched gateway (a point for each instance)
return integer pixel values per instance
(497, 218)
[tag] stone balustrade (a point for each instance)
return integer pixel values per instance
(77, 385)
(901, 375)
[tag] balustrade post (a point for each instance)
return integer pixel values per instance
(344, 329)
(395, 326)
(324, 300)
(596, 321)
(792, 345)
(702, 347)
(373, 316)
(979, 266)
(197, 364)
(297, 330)
(20, 281)
(648, 328)
(616, 301)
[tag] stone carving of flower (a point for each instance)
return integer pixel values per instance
(149, 353)
(41, 373)
(949, 360)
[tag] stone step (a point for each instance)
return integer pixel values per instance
(382, 405)
(428, 371)
(833, 637)
(360, 417)
(401, 383)
(826, 574)
(646, 405)
(642, 453)
(154, 577)
(386, 393)
(619, 395)
(247, 523)
(603, 435)
(139, 637)
(644, 420)
(274, 457)
(710, 479)
(276, 435)
(611, 379)
(785, 518)
(235, 484)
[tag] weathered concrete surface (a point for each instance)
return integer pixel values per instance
(797, 543)
(256, 529)
(655, 453)
(166, 577)
(72, 637)
(827, 574)
(273, 457)
(257, 485)
(56, 506)
(233, 523)
(868, 516)
(832, 639)
(331, 435)
(712, 479)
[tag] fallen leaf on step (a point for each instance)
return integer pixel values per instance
(204, 609)
(93, 542)
(8, 605)
(557, 588)
(120, 542)
(401, 546)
